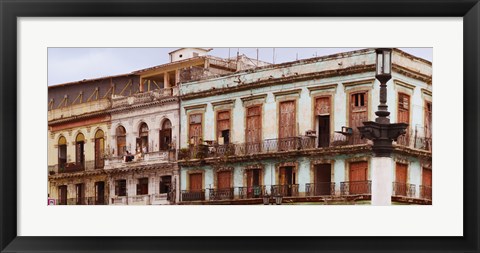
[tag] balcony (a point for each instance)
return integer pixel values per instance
(267, 146)
(187, 195)
(143, 159)
(425, 192)
(139, 200)
(287, 190)
(71, 167)
(143, 97)
(418, 138)
(403, 190)
(83, 201)
(320, 189)
(356, 188)
(251, 192)
(221, 194)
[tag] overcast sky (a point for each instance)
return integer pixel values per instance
(74, 64)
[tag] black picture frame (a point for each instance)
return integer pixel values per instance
(10, 10)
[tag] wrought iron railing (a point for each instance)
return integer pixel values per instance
(220, 194)
(425, 192)
(403, 189)
(83, 201)
(187, 195)
(286, 190)
(320, 189)
(71, 167)
(356, 188)
(249, 192)
(418, 137)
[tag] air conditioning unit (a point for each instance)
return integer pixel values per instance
(347, 130)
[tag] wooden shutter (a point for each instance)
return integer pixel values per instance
(195, 182)
(121, 141)
(254, 124)
(358, 109)
(223, 179)
(358, 171)
(401, 173)
(403, 108)
(99, 151)
(195, 128)
(426, 177)
(223, 122)
(322, 106)
(287, 119)
(428, 119)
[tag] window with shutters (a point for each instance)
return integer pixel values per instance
(287, 120)
(358, 109)
(428, 119)
(253, 130)
(403, 108)
(166, 135)
(121, 135)
(142, 186)
(99, 149)
(79, 150)
(223, 127)
(62, 152)
(121, 187)
(195, 129)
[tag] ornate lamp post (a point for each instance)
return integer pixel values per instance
(382, 133)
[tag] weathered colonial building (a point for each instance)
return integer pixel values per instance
(290, 129)
(113, 140)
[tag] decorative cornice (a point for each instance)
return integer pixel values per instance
(426, 92)
(403, 84)
(287, 92)
(323, 87)
(230, 102)
(193, 107)
(359, 82)
(255, 97)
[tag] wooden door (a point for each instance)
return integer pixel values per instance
(121, 141)
(401, 179)
(358, 178)
(142, 186)
(287, 119)
(253, 183)
(358, 114)
(62, 195)
(195, 129)
(99, 152)
(195, 182)
(253, 131)
(286, 179)
(79, 157)
(80, 194)
(165, 139)
(223, 127)
(99, 193)
(323, 131)
(426, 189)
(403, 108)
(223, 179)
(323, 178)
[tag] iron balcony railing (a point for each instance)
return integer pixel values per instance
(425, 192)
(71, 167)
(250, 192)
(320, 189)
(286, 190)
(418, 137)
(202, 151)
(403, 189)
(187, 195)
(221, 194)
(356, 188)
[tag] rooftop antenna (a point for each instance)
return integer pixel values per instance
(257, 56)
(297, 56)
(229, 53)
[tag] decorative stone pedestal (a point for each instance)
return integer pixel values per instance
(382, 178)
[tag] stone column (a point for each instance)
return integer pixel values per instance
(382, 178)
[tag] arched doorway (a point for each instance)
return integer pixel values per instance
(121, 136)
(142, 140)
(80, 150)
(166, 135)
(99, 149)
(62, 152)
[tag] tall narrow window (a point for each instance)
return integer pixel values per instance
(166, 135)
(121, 135)
(223, 127)
(142, 140)
(121, 187)
(195, 128)
(142, 186)
(253, 131)
(322, 115)
(287, 120)
(428, 119)
(358, 114)
(99, 149)
(62, 152)
(403, 108)
(80, 194)
(62, 195)
(79, 150)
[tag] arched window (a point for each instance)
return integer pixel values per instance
(99, 149)
(62, 152)
(166, 135)
(142, 140)
(121, 140)
(79, 150)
